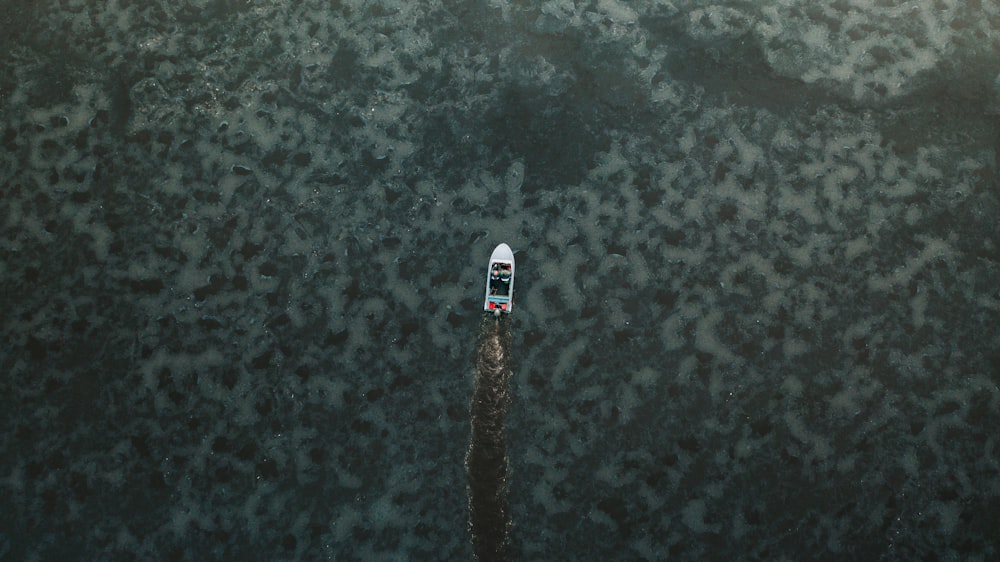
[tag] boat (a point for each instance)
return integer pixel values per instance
(500, 281)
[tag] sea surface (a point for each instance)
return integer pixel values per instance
(243, 246)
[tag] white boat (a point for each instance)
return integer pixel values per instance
(500, 281)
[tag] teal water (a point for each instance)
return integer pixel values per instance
(243, 245)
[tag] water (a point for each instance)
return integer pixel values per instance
(243, 247)
(486, 463)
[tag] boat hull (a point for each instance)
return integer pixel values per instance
(500, 281)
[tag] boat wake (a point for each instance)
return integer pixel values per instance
(486, 461)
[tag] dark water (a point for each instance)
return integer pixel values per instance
(242, 247)
(486, 463)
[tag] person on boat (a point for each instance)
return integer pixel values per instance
(494, 278)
